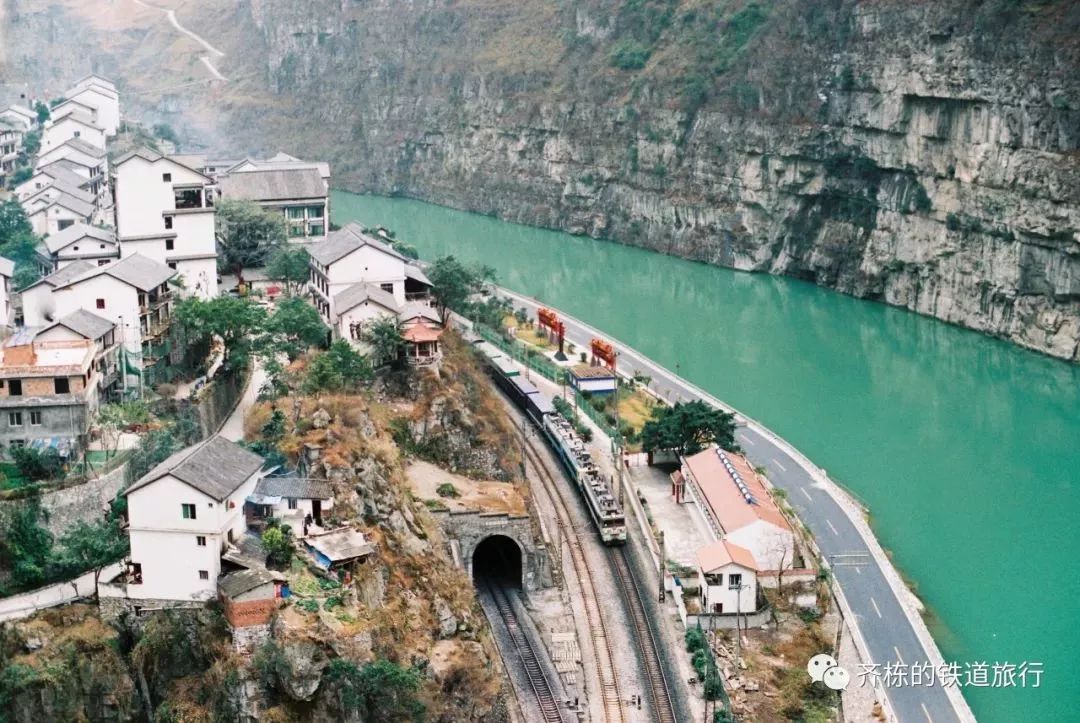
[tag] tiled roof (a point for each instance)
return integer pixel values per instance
(136, 270)
(585, 371)
(354, 295)
(238, 583)
(344, 241)
(723, 496)
(64, 275)
(66, 200)
(75, 232)
(215, 467)
(273, 185)
(84, 323)
(722, 553)
(415, 273)
(421, 333)
(83, 147)
(301, 489)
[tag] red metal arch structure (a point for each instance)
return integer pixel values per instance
(549, 320)
(603, 351)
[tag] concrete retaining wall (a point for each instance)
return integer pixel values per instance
(86, 502)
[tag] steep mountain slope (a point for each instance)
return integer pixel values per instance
(920, 153)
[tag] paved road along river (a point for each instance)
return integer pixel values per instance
(966, 449)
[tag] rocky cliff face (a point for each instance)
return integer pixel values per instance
(924, 154)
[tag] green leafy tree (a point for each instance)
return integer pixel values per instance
(454, 283)
(296, 327)
(37, 465)
(91, 546)
(379, 691)
(25, 546)
(18, 243)
(384, 334)
(42, 110)
(239, 323)
(31, 143)
(273, 431)
(13, 221)
(688, 428)
(338, 368)
(22, 175)
(165, 132)
(249, 235)
(279, 545)
(289, 264)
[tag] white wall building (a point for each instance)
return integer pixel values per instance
(20, 115)
(165, 211)
(181, 517)
(350, 256)
(83, 158)
(59, 174)
(78, 242)
(728, 579)
(292, 500)
(100, 94)
(300, 195)
(738, 507)
(76, 124)
(53, 210)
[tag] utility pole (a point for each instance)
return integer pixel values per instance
(660, 540)
(738, 621)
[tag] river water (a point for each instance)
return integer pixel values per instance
(966, 449)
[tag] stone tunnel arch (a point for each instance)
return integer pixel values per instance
(500, 558)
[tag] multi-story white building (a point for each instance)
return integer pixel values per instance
(351, 256)
(182, 515)
(165, 211)
(99, 93)
(74, 124)
(61, 174)
(20, 115)
(52, 210)
(11, 143)
(300, 195)
(85, 159)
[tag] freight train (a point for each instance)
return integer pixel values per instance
(604, 509)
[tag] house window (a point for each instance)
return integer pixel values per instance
(315, 212)
(734, 581)
(78, 133)
(35, 418)
(166, 178)
(61, 385)
(14, 419)
(187, 511)
(17, 443)
(136, 573)
(74, 248)
(187, 198)
(295, 212)
(172, 265)
(15, 388)
(200, 540)
(316, 229)
(718, 607)
(292, 503)
(204, 575)
(102, 262)
(168, 244)
(100, 303)
(388, 288)
(720, 580)
(168, 223)
(64, 223)
(296, 231)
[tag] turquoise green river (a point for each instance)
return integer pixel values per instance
(965, 448)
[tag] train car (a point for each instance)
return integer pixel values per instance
(599, 498)
(601, 503)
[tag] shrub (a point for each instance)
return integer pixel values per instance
(35, 465)
(446, 489)
(279, 545)
(629, 55)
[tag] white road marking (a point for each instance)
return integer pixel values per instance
(782, 467)
(899, 659)
(749, 441)
(874, 603)
(803, 490)
(926, 713)
(830, 524)
(857, 570)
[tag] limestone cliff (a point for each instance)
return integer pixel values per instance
(924, 154)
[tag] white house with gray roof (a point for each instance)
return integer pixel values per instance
(78, 242)
(351, 256)
(84, 325)
(291, 499)
(165, 211)
(20, 115)
(53, 210)
(7, 313)
(100, 94)
(75, 123)
(182, 515)
(300, 194)
(83, 158)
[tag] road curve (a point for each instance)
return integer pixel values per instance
(886, 631)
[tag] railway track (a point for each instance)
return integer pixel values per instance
(601, 643)
(646, 636)
(538, 681)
